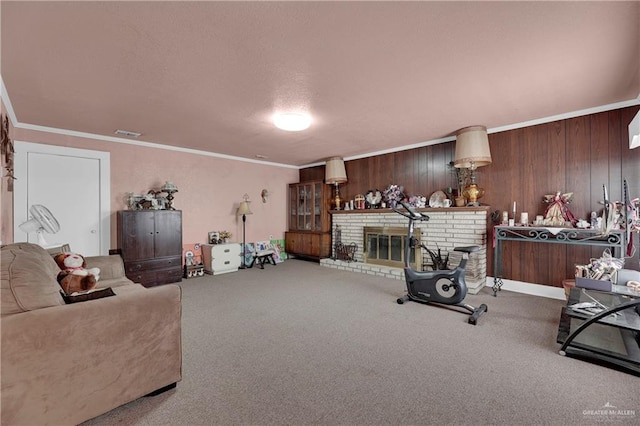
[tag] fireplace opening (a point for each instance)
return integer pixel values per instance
(385, 246)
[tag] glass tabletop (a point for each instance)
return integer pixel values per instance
(585, 303)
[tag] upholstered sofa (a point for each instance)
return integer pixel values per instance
(62, 364)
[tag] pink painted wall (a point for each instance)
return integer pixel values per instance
(210, 188)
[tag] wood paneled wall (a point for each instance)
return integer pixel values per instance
(576, 155)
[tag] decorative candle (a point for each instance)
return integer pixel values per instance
(514, 210)
(505, 217)
(524, 218)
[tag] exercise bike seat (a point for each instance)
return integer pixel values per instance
(467, 249)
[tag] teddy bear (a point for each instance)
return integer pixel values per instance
(74, 275)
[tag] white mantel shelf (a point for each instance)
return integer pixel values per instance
(448, 227)
(424, 209)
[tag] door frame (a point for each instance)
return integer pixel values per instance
(20, 198)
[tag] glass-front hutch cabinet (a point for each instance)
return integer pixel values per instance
(309, 232)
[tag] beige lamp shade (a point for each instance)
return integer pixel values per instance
(169, 187)
(472, 147)
(335, 171)
(244, 208)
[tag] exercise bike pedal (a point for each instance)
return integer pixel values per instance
(473, 319)
(403, 299)
(467, 249)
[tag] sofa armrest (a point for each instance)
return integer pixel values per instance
(67, 364)
(111, 270)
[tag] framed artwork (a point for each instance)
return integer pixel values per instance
(278, 247)
(262, 245)
(276, 252)
(214, 237)
(192, 254)
(248, 254)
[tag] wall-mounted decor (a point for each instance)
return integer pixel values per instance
(7, 152)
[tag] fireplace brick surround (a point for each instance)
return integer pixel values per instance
(447, 227)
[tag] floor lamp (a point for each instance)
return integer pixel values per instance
(244, 210)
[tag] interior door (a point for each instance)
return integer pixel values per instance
(69, 182)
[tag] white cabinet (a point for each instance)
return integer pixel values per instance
(221, 258)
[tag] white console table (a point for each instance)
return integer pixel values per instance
(574, 236)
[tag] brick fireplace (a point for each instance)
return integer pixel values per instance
(447, 228)
(385, 246)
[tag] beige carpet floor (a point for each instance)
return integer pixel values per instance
(301, 344)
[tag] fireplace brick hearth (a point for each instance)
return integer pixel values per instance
(446, 227)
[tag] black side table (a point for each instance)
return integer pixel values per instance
(611, 336)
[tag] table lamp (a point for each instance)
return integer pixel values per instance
(472, 151)
(336, 174)
(170, 188)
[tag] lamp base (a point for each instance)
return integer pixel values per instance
(473, 192)
(170, 201)
(337, 202)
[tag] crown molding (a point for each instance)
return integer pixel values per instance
(4, 95)
(568, 115)
(38, 128)
(113, 139)
(564, 116)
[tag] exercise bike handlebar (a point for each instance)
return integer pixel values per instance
(410, 213)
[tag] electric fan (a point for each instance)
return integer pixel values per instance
(41, 221)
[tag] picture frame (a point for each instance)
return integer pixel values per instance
(214, 237)
(162, 202)
(261, 245)
(248, 253)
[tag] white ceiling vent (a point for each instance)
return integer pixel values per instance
(127, 133)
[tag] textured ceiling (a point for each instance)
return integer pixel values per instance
(375, 76)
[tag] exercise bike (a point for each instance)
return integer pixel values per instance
(444, 287)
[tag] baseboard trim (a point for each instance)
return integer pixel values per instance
(530, 288)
